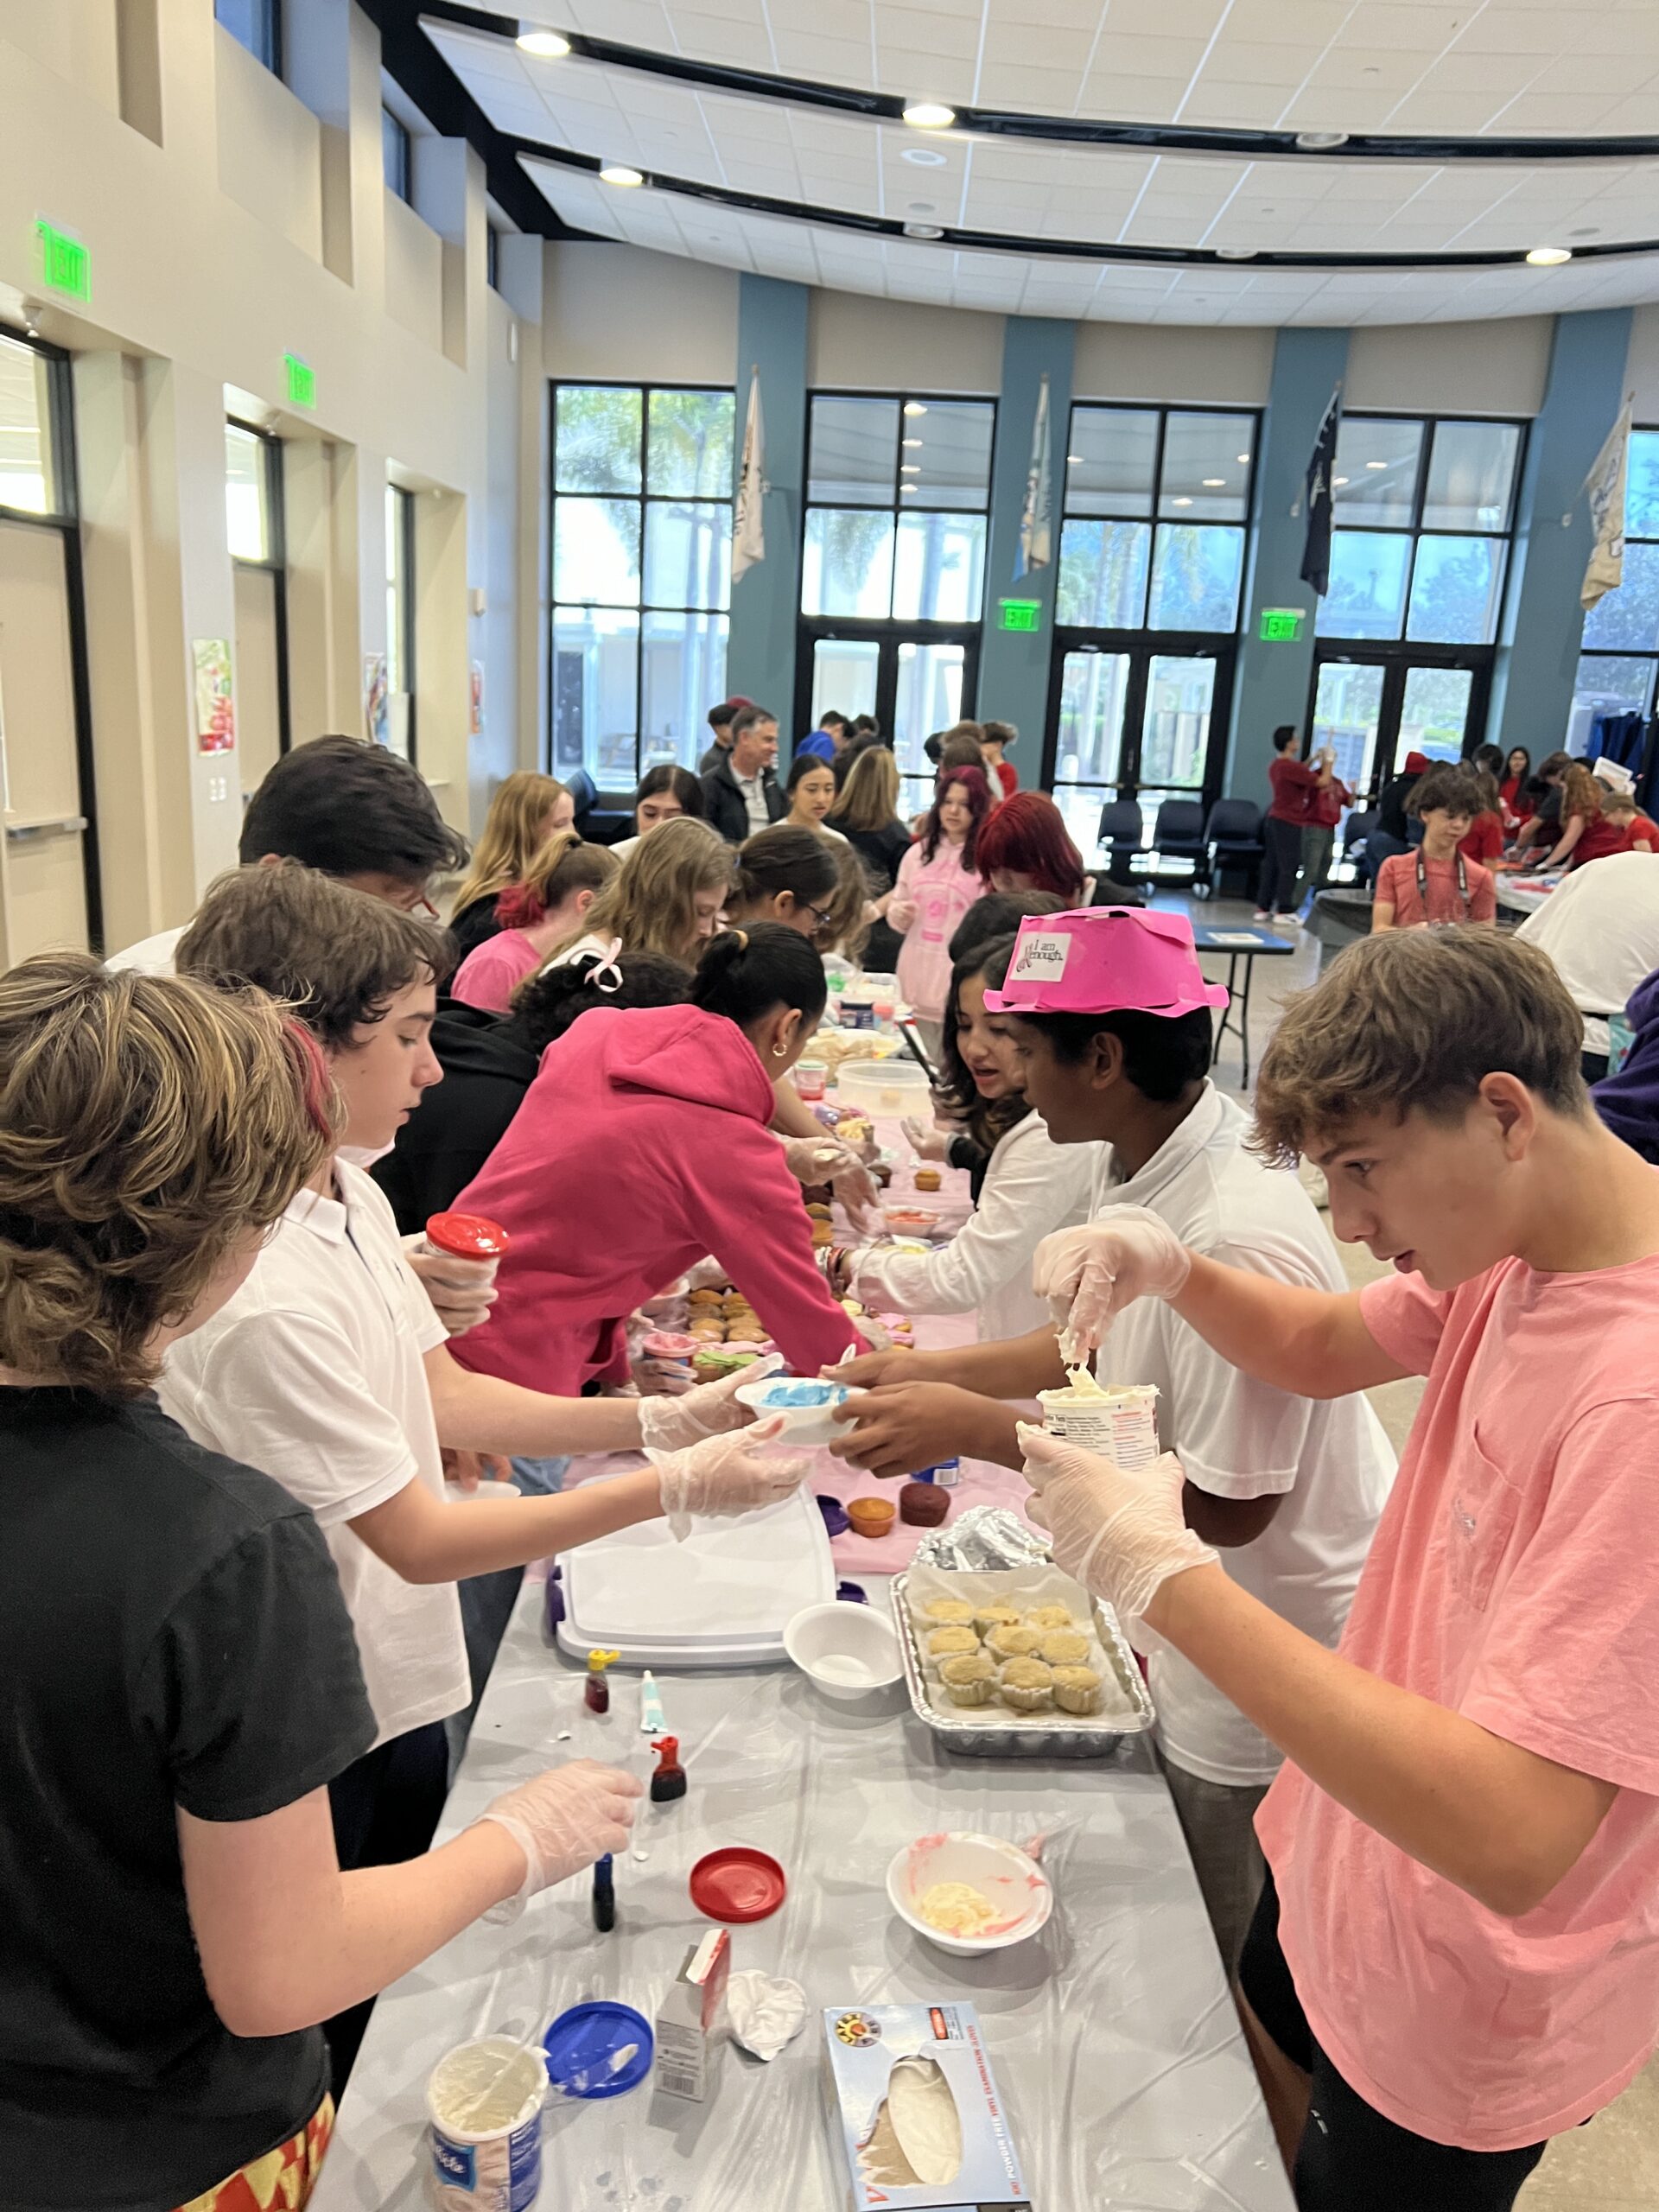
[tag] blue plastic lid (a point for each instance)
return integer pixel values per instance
(583, 2044)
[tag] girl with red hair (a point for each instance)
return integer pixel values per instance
(938, 880)
(1025, 846)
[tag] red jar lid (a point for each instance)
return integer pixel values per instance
(737, 1885)
(468, 1235)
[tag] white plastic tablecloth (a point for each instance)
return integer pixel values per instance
(1125, 2077)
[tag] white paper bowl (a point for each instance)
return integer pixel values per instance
(849, 1651)
(804, 1427)
(1010, 1878)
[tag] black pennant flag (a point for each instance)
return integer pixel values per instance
(1316, 553)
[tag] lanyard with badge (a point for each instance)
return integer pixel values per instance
(1422, 890)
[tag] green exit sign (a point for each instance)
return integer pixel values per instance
(1022, 614)
(301, 382)
(1282, 626)
(65, 265)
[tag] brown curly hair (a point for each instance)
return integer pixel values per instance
(148, 1124)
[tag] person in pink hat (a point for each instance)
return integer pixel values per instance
(1112, 1017)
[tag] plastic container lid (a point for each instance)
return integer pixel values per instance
(468, 1235)
(582, 2047)
(737, 1885)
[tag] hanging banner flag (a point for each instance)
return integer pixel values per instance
(1316, 550)
(1036, 517)
(1605, 488)
(748, 527)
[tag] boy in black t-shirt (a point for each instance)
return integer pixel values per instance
(180, 1675)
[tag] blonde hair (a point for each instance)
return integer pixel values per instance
(512, 835)
(564, 866)
(649, 902)
(148, 1125)
(870, 798)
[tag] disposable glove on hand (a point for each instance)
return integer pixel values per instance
(670, 1424)
(1120, 1534)
(825, 1160)
(925, 1143)
(461, 1292)
(563, 1821)
(724, 1475)
(1088, 1275)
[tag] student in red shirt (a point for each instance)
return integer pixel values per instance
(1325, 807)
(1512, 793)
(1457, 1955)
(995, 738)
(1294, 781)
(1485, 842)
(1621, 829)
(1436, 884)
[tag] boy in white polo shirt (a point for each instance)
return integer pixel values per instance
(329, 1370)
(1110, 1015)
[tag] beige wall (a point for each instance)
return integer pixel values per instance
(614, 312)
(1643, 373)
(886, 345)
(1202, 368)
(1451, 368)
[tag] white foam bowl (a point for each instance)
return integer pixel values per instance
(847, 1650)
(804, 1427)
(1009, 1878)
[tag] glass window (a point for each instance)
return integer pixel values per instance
(1454, 590)
(642, 561)
(1206, 472)
(1628, 619)
(1094, 688)
(855, 451)
(493, 257)
(1641, 485)
(1195, 577)
(1374, 481)
(938, 571)
(1433, 714)
(1175, 726)
(846, 562)
(256, 24)
(400, 620)
(395, 154)
(1104, 570)
(944, 455)
(1470, 476)
(1112, 460)
(1608, 684)
(26, 471)
(1367, 598)
(247, 487)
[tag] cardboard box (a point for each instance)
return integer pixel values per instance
(690, 2015)
(918, 2112)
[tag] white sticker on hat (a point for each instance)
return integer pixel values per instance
(1041, 957)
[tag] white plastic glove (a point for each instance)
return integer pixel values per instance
(1088, 1275)
(724, 1475)
(563, 1821)
(1120, 1534)
(824, 1159)
(925, 1143)
(670, 1424)
(461, 1292)
(660, 1378)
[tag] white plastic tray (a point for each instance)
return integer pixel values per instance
(722, 1598)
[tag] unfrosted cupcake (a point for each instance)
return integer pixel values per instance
(1027, 1685)
(1014, 1643)
(1077, 1689)
(952, 1642)
(1048, 1617)
(995, 1616)
(1063, 1647)
(969, 1679)
(947, 1613)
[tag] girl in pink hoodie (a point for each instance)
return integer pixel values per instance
(939, 881)
(641, 1146)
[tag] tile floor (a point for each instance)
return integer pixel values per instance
(1611, 2164)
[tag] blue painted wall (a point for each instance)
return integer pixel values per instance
(1013, 663)
(1538, 645)
(1271, 681)
(766, 600)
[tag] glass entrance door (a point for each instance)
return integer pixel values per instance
(913, 681)
(1135, 725)
(1374, 711)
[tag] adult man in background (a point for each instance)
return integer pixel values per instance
(740, 794)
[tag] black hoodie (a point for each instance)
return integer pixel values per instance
(487, 1068)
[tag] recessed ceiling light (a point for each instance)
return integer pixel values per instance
(1214, 483)
(1244, 459)
(910, 468)
(1235, 253)
(547, 45)
(1338, 481)
(1549, 257)
(924, 230)
(1320, 142)
(620, 173)
(910, 441)
(1074, 461)
(1182, 502)
(930, 115)
(915, 407)
(924, 157)
(1377, 464)
(906, 488)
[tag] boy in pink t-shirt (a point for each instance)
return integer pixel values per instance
(1459, 1939)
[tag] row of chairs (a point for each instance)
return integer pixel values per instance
(1228, 842)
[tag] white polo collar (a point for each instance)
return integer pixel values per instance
(322, 1216)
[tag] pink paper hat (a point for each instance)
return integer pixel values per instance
(1105, 960)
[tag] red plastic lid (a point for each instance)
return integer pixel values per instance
(468, 1235)
(737, 1885)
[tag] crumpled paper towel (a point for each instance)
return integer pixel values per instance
(765, 2012)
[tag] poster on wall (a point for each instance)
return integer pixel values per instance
(375, 723)
(215, 703)
(475, 715)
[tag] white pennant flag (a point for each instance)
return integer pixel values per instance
(748, 529)
(1605, 487)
